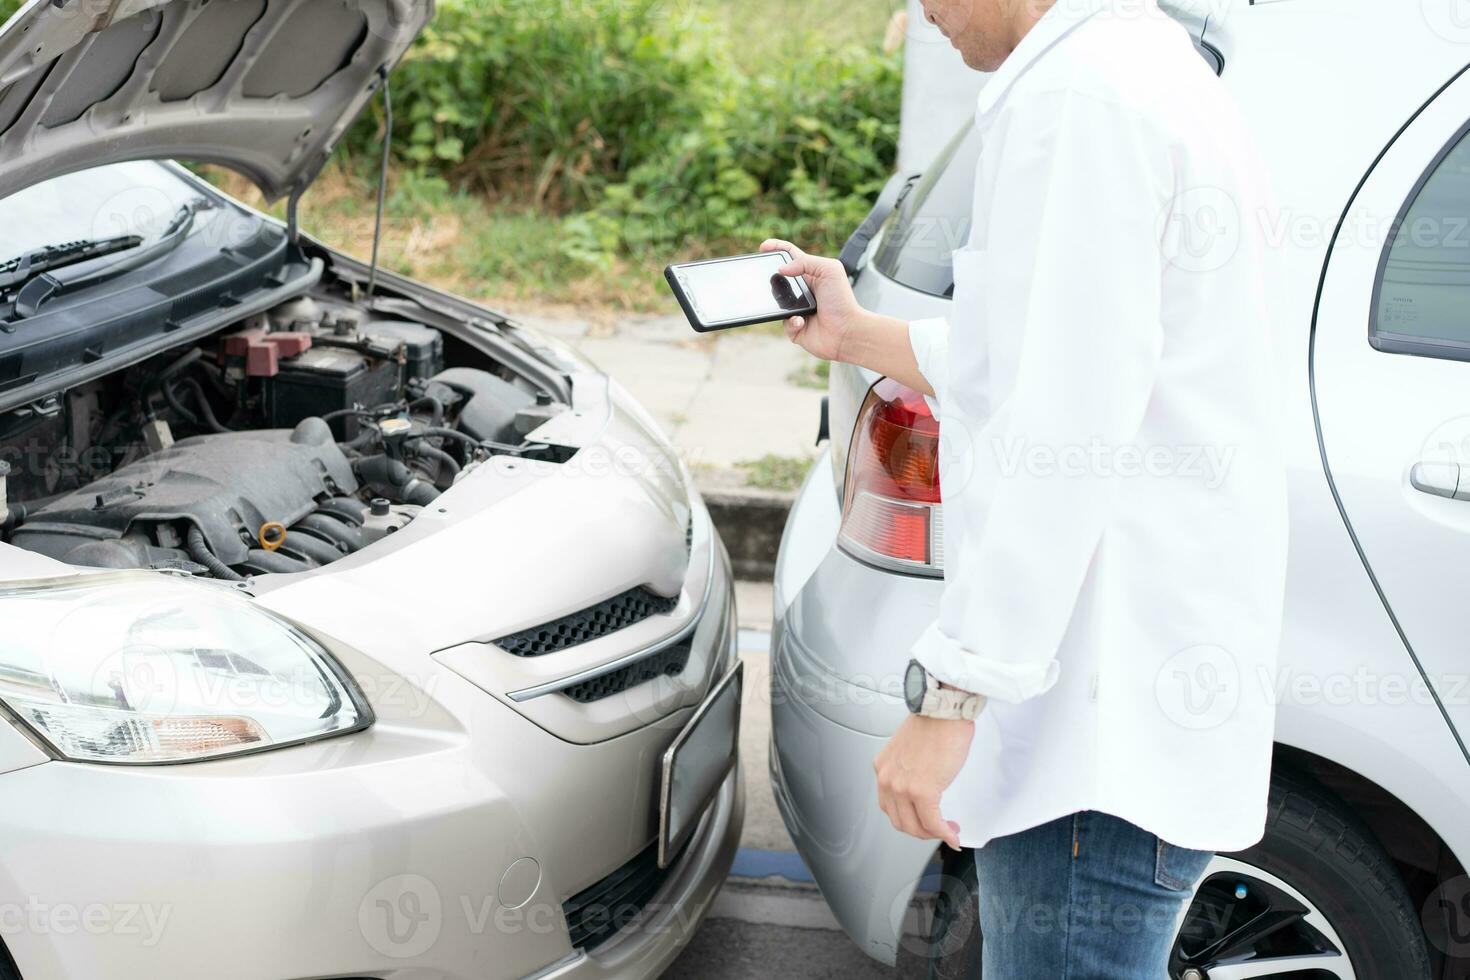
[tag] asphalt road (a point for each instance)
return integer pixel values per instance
(727, 949)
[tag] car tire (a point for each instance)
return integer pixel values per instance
(1322, 849)
(1314, 849)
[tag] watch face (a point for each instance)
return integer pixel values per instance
(914, 683)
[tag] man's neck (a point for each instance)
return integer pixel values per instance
(1024, 15)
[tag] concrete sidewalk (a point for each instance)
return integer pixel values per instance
(724, 398)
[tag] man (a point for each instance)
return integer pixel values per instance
(1115, 523)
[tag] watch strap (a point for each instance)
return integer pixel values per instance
(949, 704)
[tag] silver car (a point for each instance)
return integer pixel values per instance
(1363, 111)
(350, 629)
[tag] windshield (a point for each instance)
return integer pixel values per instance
(136, 198)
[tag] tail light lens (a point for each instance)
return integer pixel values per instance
(891, 511)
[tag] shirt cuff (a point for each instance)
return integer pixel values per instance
(929, 340)
(944, 658)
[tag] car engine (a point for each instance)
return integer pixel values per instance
(280, 445)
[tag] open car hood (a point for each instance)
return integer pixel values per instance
(266, 87)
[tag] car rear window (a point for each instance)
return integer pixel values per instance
(934, 218)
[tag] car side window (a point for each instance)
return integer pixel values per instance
(1421, 296)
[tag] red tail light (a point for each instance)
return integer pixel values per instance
(891, 512)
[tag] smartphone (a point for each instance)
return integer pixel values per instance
(736, 292)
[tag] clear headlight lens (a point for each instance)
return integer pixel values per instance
(145, 668)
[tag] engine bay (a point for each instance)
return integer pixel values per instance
(280, 444)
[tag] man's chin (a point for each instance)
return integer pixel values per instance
(978, 61)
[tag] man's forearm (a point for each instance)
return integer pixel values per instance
(881, 344)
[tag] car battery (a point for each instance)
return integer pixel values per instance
(423, 347)
(324, 380)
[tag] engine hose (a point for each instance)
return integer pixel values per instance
(435, 406)
(12, 517)
(421, 448)
(199, 551)
(172, 397)
(188, 358)
(442, 433)
(205, 409)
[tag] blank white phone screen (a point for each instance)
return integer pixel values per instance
(741, 289)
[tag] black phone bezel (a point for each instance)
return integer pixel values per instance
(671, 277)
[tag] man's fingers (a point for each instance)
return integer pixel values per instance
(935, 826)
(794, 326)
(909, 821)
(801, 264)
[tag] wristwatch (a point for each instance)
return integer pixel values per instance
(925, 696)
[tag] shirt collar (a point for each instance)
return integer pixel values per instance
(1055, 24)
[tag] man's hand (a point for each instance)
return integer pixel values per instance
(915, 768)
(838, 316)
(842, 330)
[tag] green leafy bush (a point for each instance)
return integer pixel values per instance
(641, 123)
(548, 100)
(798, 153)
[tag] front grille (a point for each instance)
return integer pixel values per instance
(670, 663)
(608, 616)
(600, 911)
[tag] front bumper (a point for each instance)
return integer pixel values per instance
(440, 843)
(396, 871)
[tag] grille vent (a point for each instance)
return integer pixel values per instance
(665, 663)
(608, 616)
(598, 912)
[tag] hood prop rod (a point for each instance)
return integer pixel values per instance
(372, 285)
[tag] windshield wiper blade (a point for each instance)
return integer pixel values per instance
(16, 271)
(38, 287)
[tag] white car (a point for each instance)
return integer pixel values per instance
(1362, 110)
(349, 629)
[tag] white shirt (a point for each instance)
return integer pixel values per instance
(1114, 493)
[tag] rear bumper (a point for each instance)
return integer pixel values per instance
(822, 777)
(837, 656)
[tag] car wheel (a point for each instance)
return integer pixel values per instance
(1317, 899)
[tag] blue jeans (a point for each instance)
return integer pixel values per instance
(1086, 897)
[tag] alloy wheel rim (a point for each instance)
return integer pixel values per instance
(1244, 922)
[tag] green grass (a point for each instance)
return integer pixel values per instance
(812, 374)
(461, 241)
(783, 28)
(772, 472)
